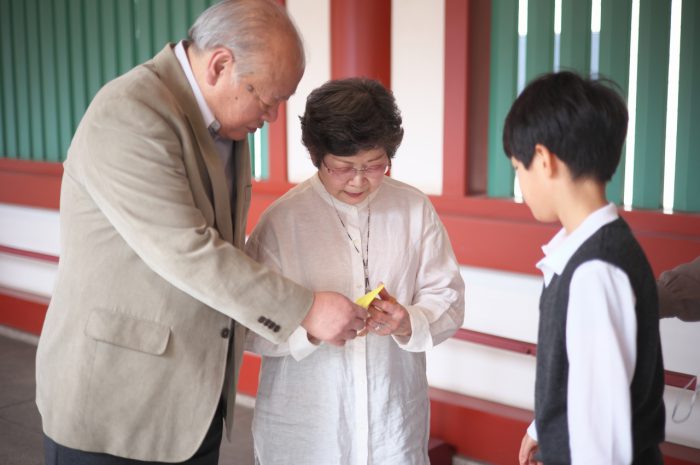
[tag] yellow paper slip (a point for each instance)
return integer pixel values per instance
(367, 299)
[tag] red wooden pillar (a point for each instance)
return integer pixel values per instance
(467, 44)
(361, 39)
(277, 148)
(455, 140)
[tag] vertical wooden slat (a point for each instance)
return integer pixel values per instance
(108, 39)
(265, 152)
(652, 89)
(502, 92)
(196, 7)
(143, 30)
(93, 56)
(251, 151)
(78, 76)
(63, 77)
(180, 19)
(33, 78)
(20, 67)
(125, 40)
(160, 24)
(479, 30)
(56, 55)
(575, 51)
(614, 63)
(47, 52)
(687, 187)
(190, 15)
(540, 38)
(8, 112)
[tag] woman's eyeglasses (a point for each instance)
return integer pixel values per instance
(347, 173)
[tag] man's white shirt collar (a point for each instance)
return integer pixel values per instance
(559, 250)
(207, 114)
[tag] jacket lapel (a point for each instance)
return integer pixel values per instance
(242, 187)
(171, 73)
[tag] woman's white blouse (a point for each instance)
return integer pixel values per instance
(366, 402)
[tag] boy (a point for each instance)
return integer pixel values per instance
(599, 383)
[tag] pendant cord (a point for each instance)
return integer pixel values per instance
(365, 256)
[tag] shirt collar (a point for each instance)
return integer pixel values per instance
(212, 124)
(562, 246)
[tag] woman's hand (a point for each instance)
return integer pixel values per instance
(387, 316)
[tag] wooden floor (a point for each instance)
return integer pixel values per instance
(20, 424)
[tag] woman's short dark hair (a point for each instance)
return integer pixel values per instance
(345, 116)
(582, 121)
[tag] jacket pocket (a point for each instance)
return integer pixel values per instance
(128, 332)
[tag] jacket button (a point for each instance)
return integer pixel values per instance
(225, 333)
(276, 328)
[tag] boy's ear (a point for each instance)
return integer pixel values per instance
(546, 160)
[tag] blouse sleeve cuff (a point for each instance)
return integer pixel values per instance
(420, 339)
(299, 345)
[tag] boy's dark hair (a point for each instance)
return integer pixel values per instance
(346, 116)
(582, 121)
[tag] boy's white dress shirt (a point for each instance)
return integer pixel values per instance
(601, 345)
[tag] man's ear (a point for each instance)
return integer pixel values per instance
(219, 60)
(546, 160)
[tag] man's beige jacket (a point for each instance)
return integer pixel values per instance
(152, 290)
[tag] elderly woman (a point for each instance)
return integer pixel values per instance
(349, 228)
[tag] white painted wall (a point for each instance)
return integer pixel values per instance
(27, 275)
(417, 80)
(417, 71)
(503, 304)
(506, 304)
(312, 17)
(33, 230)
(500, 303)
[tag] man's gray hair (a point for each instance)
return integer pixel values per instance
(245, 27)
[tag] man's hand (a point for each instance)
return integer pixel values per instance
(333, 318)
(528, 447)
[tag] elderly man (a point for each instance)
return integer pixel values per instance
(140, 350)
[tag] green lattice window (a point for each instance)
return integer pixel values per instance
(56, 54)
(649, 47)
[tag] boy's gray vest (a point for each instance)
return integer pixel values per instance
(614, 244)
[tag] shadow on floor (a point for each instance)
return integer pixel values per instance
(20, 424)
